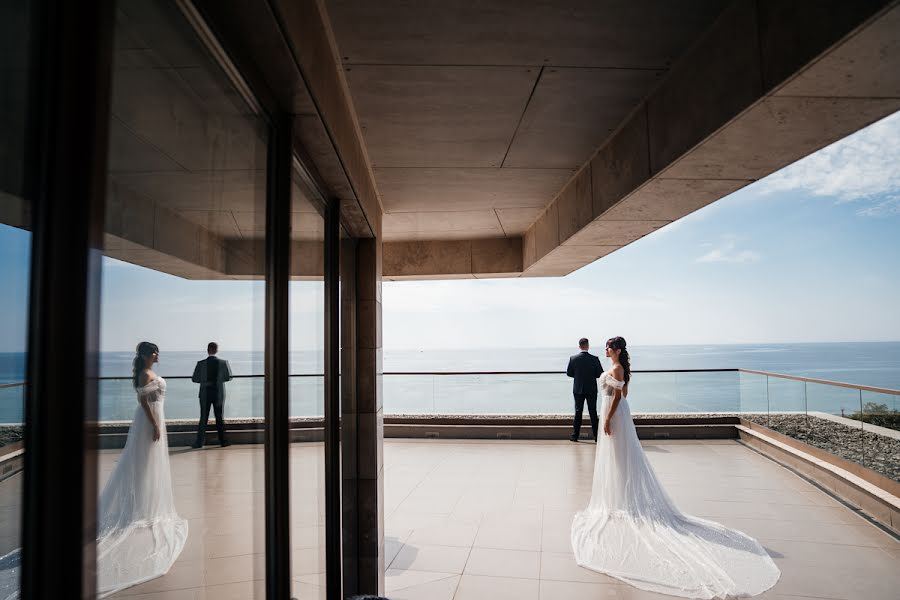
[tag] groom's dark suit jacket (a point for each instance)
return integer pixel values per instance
(212, 373)
(585, 368)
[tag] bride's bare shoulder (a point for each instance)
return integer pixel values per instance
(617, 371)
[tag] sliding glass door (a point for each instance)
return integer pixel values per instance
(182, 325)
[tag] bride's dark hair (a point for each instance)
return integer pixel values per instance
(618, 343)
(143, 350)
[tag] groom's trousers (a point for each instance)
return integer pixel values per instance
(579, 411)
(213, 399)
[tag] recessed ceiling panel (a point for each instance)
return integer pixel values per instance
(573, 111)
(439, 116)
(589, 33)
(441, 225)
(436, 190)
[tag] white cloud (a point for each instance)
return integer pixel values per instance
(862, 167)
(728, 252)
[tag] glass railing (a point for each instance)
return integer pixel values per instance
(858, 423)
(550, 393)
(699, 392)
(243, 397)
(12, 403)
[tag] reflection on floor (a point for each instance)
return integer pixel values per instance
(490, 519)
(220, 492)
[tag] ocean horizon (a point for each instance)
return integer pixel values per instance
(875, 364)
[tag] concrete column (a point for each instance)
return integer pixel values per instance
(362, 431)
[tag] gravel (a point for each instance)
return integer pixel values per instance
(10, 435)
(872, 450)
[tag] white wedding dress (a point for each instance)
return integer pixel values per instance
(139, 533)
(632, 531)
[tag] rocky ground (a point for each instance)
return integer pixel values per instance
(875, 451)
(10, 435)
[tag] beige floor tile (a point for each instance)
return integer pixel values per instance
(186, 594)
(504, 563)
(306, 591)
(811, 531)
(398, 579)
(508, 537)
(235, 569)
(478, 587)
(844, 584)
(556, 535)
(559, 566)
(576, 590)
(244, 590)
(307, 561)
(448, 533)
(441, 559)
(443, 589)
(184, 574)
(830, 556)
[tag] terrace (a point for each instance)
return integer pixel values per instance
(489, 518)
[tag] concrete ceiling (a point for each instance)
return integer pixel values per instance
(475, 114)
(187, 156)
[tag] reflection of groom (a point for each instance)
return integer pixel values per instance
(585, 368)
(211, 374)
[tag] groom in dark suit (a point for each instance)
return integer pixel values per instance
(211, 374)
(585, 368)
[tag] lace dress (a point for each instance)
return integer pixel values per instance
(140, 534)
(632, 531)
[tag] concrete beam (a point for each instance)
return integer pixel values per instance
(768, 84)
(312, 41)
(452, 259)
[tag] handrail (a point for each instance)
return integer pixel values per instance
(852, 386)
(551, 372)
(120, 378)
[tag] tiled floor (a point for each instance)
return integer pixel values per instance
(220, 492)
(490, 519)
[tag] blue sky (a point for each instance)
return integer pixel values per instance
(811, 253)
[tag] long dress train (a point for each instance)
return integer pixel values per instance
(632, 531)
(139, 534)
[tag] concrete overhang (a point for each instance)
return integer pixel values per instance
(580, 127)
(497, 139)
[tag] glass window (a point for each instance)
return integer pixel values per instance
(307, 395)
(15, 263)
(182, 330)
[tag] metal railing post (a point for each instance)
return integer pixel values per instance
(862, 431)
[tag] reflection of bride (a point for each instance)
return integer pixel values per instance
(140, 535)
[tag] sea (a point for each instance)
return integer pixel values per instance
(479, 389)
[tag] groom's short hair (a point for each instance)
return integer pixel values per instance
(212, 348)
(583, 343)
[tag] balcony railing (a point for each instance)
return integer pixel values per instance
(828, 414)
(684, 391)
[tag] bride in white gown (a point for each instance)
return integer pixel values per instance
(631, 530)
(139, 534)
